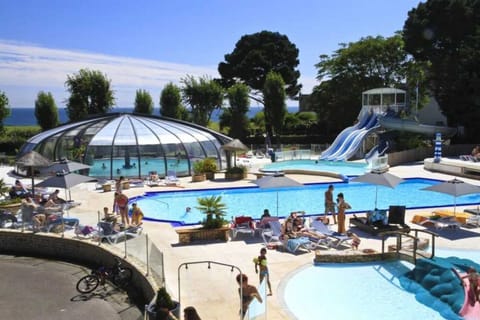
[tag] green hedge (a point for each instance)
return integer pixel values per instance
(15, 136)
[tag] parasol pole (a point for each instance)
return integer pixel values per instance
(455, 206)
(32, 172)
(277, 203)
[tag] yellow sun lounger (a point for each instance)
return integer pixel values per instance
(459, 216)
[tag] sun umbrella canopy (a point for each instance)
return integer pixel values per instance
(379, 179)
(65, 181)
(276, 181)
(32, 160)
(454, 188)
(66, 166)
(235, 145)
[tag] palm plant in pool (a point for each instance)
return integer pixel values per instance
(214, 209)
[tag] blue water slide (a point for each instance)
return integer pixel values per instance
(354, 137)
(343, 135)
(355, 144)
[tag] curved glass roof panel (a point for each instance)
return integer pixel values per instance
(130, 145)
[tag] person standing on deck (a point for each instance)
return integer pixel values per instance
(329, 204)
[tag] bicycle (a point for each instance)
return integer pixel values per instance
(118, 275)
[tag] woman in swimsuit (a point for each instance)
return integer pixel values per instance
(121, 201)
(261, 262)
(342, 206)
(247, 292)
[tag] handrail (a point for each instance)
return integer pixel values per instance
(414, 238)
(209, 263)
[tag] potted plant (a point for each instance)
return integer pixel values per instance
(198, 172)
(236, 173)
(161, 303)
(214, 226)
(214, 209)
(210, 167)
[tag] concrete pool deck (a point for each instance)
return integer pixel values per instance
(214, 292)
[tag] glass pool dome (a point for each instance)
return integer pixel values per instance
(130, 145)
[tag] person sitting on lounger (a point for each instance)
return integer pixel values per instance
(55, 198)
(137, 216)
(109, 217)
(293, 226)
(476, 153)
(355, 240)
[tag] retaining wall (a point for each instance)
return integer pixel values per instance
(81, 252)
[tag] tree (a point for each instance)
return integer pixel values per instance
(171, 101)
(90, 93)
(4, 109)
(371, 62)
(239, 105)
(204, 96)
(257, 123)
(143, 102)
(46, 111)
(275, 106)
(446, 35)
(255, 55)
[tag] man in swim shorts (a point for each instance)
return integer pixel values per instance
(330, 204)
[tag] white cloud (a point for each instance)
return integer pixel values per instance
(26, 69)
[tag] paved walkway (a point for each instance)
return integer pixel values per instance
(213, 290)
(41, 289)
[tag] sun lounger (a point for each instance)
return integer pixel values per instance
(337, 238)
(441, 222)
(473, 220)
(460, 217)
(171, 178)
(272, 236)
(297, 243)
(243, 224)
(475, 211)
(107, 232)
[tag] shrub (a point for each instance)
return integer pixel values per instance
(198, 167)
(164, 300)
(214, 208)
(209, 165)
(237, 170)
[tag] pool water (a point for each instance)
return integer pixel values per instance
(101, 168)
(361, 291)
(251, 201)
(340, 167)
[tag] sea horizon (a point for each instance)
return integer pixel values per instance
(25, 116)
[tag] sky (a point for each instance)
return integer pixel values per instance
(144, 44)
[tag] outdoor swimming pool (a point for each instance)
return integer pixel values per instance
(361, 291)
(101, 168)
(344, 168)
(170, 206)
